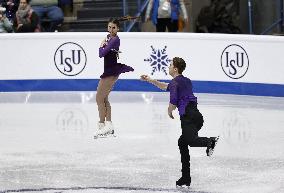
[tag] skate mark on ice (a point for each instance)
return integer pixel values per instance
(61, 190)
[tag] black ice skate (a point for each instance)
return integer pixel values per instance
(212, 145)
(183, 182)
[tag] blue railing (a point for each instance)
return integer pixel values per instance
(250, 14)
(141, 6)
(279, 22)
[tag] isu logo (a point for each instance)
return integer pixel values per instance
(70, 59)
(235, 61)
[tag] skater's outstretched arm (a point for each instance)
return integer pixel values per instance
(159, 84)
(163, 86)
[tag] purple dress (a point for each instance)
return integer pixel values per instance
(110, 54)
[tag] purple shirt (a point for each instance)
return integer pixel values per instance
(181, 93)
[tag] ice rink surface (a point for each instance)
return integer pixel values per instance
(47, 145)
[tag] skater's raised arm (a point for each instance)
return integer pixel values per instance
(108, 45)
(159, 84)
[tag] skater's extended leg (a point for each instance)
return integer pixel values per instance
(191, 123)
(190, 133)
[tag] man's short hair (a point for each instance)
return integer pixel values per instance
(179, 63)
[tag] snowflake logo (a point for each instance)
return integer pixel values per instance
(158, 60)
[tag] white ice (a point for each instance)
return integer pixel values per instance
(47, 145)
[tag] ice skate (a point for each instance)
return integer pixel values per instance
(212, 145)
(105, 131)
(100, 125)
(183, 182)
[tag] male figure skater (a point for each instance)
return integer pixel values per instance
(182, 97)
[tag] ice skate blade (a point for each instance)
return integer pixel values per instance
(104, 136)
(183, 187)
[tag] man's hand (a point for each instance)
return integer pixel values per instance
(145, 78)
(171, 108)
(19, 26)
(10, 3)
(159, 84)
(147, 19)
(186, 20)
(170, 113)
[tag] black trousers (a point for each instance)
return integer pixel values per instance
(191, 123)
(163, 23)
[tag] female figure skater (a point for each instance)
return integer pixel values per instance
(109, 49)
(182, 97)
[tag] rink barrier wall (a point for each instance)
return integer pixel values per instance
(216, 63)
(137, 85)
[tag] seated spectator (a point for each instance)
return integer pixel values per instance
(48, 9)
(5, 25)
(26, 19)
(218, 17)
(11, 8)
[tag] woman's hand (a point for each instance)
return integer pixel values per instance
(104, 42)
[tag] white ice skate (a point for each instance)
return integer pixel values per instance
(100, 125)
(106, 131)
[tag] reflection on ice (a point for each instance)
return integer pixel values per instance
(47, 145)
